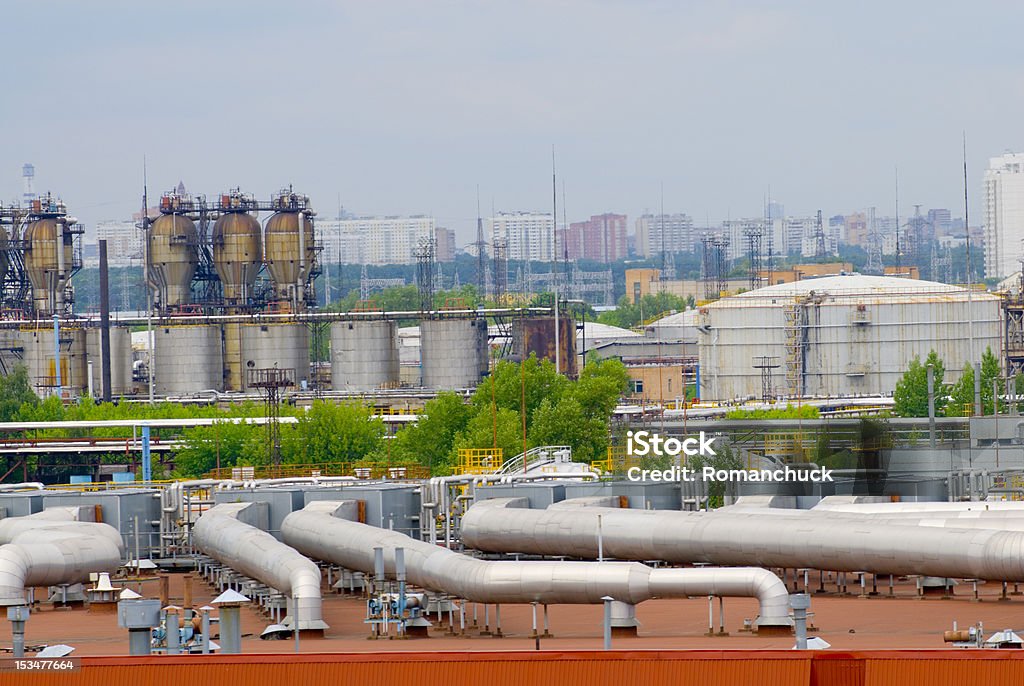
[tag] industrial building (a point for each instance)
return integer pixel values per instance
(230, 294)
(840, 335)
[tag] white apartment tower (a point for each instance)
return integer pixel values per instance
(1004, 214)
(373, 240)
(124, 242)
(529, 235)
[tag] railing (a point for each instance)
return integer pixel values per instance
(524, 461)
(479, 460)
(373, 470)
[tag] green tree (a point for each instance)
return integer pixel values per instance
(961, 401)
(329, 433)
(479, 433)
(15, 393)
(601, 384)
(430, 440)
(564, 422)
(227, 444)
(533, 380)
(910, 399)
(628, 314)
(961, 394)
(990, 382)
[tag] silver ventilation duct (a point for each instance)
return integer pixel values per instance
(50, 548)
(223, 536)
(316, 533)
(802, 541)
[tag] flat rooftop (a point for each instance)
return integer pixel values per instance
(847, 622)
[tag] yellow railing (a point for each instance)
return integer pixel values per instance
(371, 470)
(479, 460)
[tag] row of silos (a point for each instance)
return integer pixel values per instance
(239, 249)
(364, 354)
(216, 357)
(199, 358)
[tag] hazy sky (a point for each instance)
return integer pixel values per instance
(405, 107)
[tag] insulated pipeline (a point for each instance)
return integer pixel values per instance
(316, 533)
(804, 541)
(257, 554)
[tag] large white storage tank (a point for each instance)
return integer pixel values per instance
(188, 359)
(453, 352)
(840, 335)
(120, 360)
(364, 355)
(285, 346)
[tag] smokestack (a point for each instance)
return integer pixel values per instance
(104, 323)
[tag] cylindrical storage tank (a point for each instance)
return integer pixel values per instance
(237, 255)
(364, 356)
(120, 360)
(289, 253)
(285, 346)
(188, 359)
(844, 335)
(453, 352)
(173, 256)
(41, 359)
(48, 259)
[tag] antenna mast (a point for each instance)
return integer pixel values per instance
(554, 267)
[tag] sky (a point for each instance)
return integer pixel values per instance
(408, 107)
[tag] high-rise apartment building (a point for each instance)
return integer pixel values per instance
(528, 235)
(124, 242)
(373, 240)
(677, 229)
(601, 238)
(1003, 214)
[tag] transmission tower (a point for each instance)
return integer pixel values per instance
(820, 249)
(707, 265)
(752, 237)
(721, 258)
(500, 271)
(271, 383)
(424, 254)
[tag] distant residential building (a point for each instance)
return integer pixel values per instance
(444, 250)
(677, 229)
(373, 240)
(124, 242)
(1003, 214)
(528, 235)
(601, 238)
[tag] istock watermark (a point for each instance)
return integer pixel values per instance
(649, 444)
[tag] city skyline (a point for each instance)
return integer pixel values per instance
(696, 98)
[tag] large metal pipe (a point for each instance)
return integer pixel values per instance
(828, 543)
(257, 554)
(43, 551)
(316, 533)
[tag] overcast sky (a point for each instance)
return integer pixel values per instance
(405, 107)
